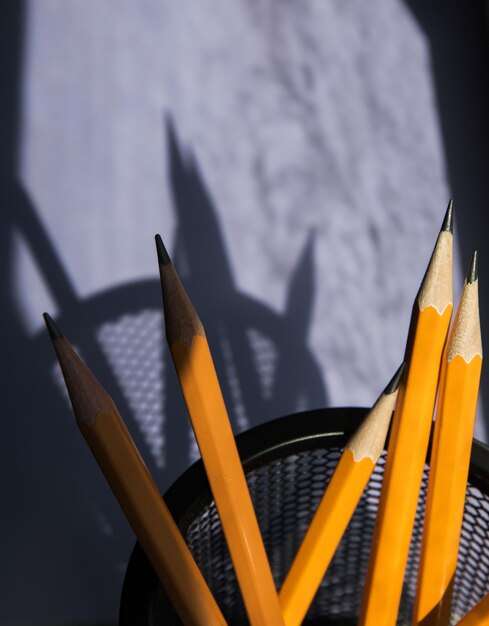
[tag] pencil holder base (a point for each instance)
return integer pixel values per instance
(288, 463)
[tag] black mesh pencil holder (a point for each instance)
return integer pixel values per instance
(288, 463)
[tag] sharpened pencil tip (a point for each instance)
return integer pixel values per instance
(473, 273)
(395, 381)
(163, 256)
(447, 225)
(54, 331)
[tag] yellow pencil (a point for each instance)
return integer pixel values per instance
(450, 458)
(409, 437)
(478, 616)
(337, 506)
(128, 477)
(198, 379)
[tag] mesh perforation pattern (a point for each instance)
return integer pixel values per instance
(286, 483)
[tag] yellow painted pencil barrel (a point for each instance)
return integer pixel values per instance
(210, 422)
(449, 463)
(336, 507)
(130, 481)
(409, 438)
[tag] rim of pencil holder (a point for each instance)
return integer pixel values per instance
(288, 462)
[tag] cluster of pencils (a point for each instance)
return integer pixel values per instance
(437, 359)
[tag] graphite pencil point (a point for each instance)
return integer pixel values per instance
(473, 273)
(163, 256)
(448, 219)
(393, 385)
(54, 331)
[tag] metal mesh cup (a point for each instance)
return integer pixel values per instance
(288, 463)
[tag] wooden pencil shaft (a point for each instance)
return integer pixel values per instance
(217, 446)
(409, 437)
(200, 387)
(404, 470)
(465, 338)
(336, 508)
(131, 483)
(408, 444)
(369, 439)
(436, 288)
(323, 536)
(449, 466)
(150, 519)
(449, 463)
(182, 323)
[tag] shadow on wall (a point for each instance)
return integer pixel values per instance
(63, 537)
(62, 524)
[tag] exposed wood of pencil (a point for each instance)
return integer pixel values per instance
(336, 507)
(408, 441)
(450, 457)
(478, 616)
(210, 422)
(134, 488)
